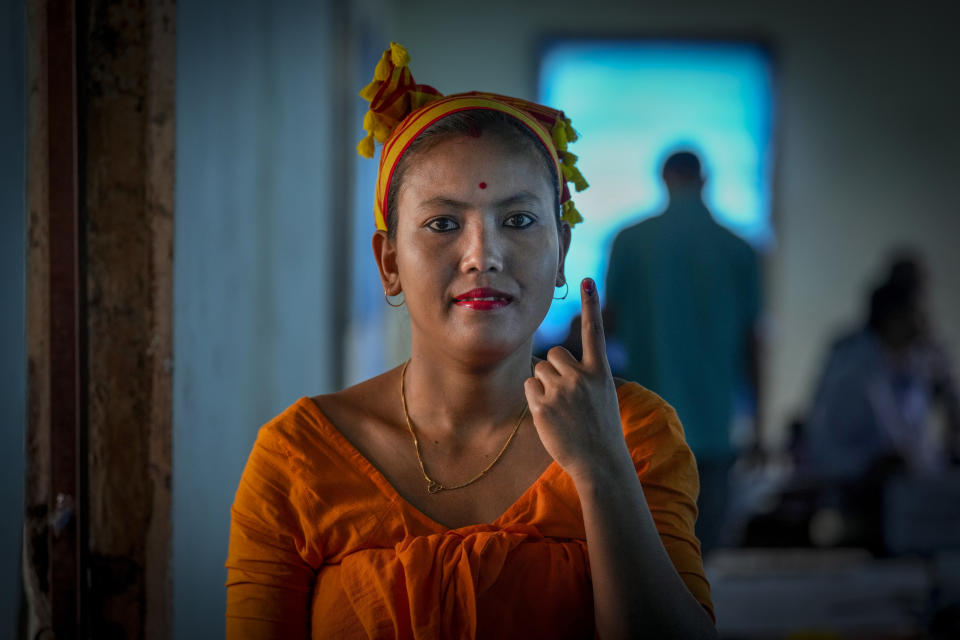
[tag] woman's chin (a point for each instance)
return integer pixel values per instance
(486, 348)
(480, 342)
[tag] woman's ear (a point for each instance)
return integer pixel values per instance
(564, 247)
(385, 253)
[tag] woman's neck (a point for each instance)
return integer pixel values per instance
(450, 398)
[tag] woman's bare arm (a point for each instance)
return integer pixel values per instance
(636, 589)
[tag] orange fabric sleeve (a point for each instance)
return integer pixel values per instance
(668, 474)
(271, 559)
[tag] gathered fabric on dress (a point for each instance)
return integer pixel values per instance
(322, 546)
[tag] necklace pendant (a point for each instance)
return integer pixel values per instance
(434, 487)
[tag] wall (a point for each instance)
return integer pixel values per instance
(867, 136)
(13, 386)
(255, 232)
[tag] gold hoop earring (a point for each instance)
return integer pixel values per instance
(565, 291)
(387, 298)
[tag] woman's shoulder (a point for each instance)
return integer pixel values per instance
(368, 393)
(314, 429)
(305, 477)
(637, 399)
(649, 422)
(364, 417)
(370, 401)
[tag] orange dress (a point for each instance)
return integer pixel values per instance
(322, 546)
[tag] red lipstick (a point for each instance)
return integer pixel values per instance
(483, 299)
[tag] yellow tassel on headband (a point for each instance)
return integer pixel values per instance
(400, 110)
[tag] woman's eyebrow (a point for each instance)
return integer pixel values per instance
(442, 202)
(519, 198)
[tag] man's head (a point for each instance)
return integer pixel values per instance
(682, 173)
(897, 306)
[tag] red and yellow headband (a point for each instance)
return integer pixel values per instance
(400, 110)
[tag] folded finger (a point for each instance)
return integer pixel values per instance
(545, 372)
(561, 359)
(533, 389)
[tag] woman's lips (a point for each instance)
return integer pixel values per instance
(483, 299)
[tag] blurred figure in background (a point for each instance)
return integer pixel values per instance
(873, 411)
(683, 299)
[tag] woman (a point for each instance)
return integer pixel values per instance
(461, 495)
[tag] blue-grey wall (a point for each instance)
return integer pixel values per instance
(13, 386)
(253, 280)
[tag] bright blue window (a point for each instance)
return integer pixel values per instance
(635, 101)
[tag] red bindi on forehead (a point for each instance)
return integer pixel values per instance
(483, 185)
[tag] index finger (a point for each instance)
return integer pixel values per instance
(591, 326)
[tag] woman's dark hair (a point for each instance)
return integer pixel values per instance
(472, 123)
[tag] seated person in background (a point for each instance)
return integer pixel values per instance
(874, 402)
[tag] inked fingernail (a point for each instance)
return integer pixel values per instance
(588, 286)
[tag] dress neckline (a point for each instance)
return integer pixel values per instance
(370, 470)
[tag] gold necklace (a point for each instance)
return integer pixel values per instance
(435, 486)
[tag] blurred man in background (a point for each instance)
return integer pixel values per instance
(683, 299)
(878, 392)
(873, 420)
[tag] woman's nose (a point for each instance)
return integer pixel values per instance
(483, 248)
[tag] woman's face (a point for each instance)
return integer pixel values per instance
(477, 251)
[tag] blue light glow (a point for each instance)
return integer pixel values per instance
(633, 102)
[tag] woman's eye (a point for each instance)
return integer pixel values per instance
(442, 224)
(519, 220)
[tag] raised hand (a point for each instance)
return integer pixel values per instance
(574, 403)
